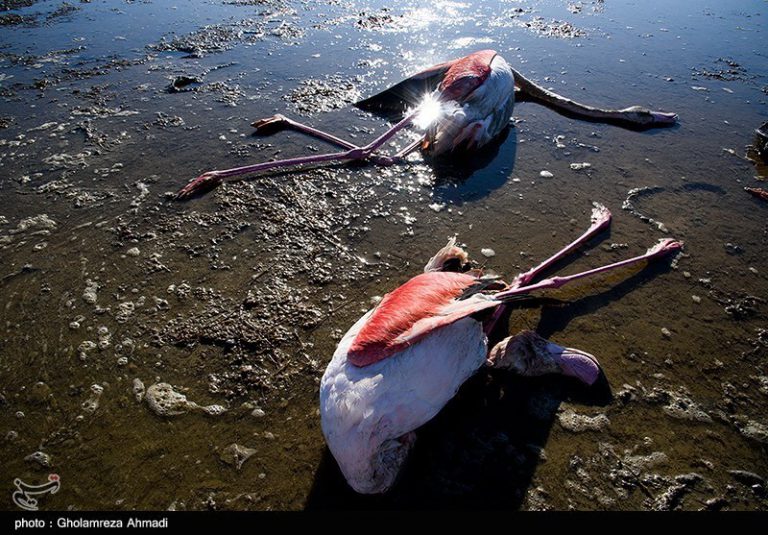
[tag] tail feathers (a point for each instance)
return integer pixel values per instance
(450, 258)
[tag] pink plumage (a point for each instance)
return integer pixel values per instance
(466, 74)
(422, 297)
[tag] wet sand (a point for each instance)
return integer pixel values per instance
(117, 300)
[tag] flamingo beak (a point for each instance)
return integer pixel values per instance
(575, 363)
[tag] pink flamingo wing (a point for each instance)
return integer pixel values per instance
(467, 74)
(451, 313)
(418, 307)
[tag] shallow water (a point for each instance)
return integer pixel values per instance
(238, 297)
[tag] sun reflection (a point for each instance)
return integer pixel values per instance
(428, 111)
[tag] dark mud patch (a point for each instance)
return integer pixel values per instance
(380, 20)
(14, 19)
(261, 324)
(224, 92)
(724, 69)
(8, 5)
(212, 39)
(184, 83)
(553, 28)
(322, 95)
(218, 38)
(64, 10)
(288, 32)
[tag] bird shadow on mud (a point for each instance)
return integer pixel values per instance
(481, 451)
(466, 176)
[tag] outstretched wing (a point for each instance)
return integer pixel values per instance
(407, 93)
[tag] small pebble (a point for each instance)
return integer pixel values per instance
(580, 166)
(133, 251)
(437, 207)
(488, 252)
(546, 174)
(696, 298)
(39, 457)
(666, 332)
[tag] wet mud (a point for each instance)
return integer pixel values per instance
(159, 354)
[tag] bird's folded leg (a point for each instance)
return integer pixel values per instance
(386, 136)
(213, 178)
(601, 218)
(530, 355)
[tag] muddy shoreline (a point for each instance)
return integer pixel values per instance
(166, 355)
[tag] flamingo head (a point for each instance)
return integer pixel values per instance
(645, 117)
(530, 355)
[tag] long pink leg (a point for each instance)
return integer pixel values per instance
(663, 247)
(213, 178)
(286, 122)
(601, 218)
(409, 148)
(280, 120)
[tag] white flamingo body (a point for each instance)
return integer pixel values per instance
(477, 118)
(368, 413)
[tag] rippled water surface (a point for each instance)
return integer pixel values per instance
(237, 298)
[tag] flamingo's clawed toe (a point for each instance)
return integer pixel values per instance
(269, 125)
(201, 184)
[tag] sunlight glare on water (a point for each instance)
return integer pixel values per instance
(429, 110)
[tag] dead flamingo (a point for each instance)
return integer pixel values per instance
(404, 360)
(461, 103)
